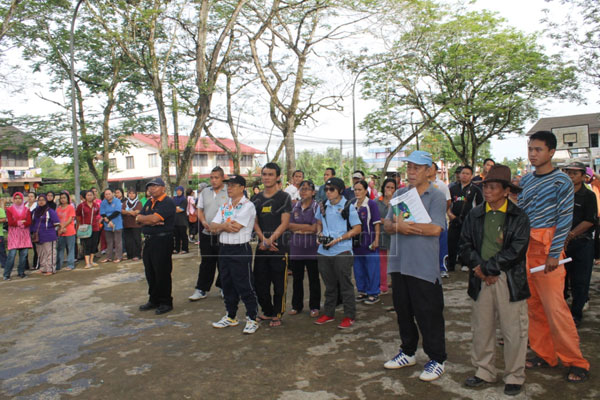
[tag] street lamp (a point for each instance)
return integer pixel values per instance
(74, 105)
(363, 69)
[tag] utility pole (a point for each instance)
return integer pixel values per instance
(74, 106)
(341, 161)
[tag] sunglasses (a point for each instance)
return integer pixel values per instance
(330, 189)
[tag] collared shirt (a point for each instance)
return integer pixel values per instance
(415, 255)
(334, 226)
(493, 234)
(303, 246)
(585, 210)
(293, 192)
(243, 213)
(107, 209)
(164, 208)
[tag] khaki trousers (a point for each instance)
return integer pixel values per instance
(494, 303)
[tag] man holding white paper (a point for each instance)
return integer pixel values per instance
(547, 198)
(493, 244)
(415, 225)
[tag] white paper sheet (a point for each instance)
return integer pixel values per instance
(410, 207)
(543, 267)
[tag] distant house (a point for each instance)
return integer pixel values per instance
(17, 166)
(142, 161)
(379, 155)
(577, 136)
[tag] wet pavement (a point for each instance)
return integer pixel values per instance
(79, 334)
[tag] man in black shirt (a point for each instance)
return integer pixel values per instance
(157, 219)
(273, 208)
(580, 241)
(464, 197)
(488, 163)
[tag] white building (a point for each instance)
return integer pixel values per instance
(379, 155)
(17, 168)
(142, 161)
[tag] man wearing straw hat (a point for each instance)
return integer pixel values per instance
(493, 244)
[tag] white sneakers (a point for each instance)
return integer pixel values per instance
(251, 326)
(226, 322)
(198, 294)
(464, 268)
(432, 371)
(401, 360)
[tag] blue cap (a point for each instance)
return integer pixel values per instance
(156, 181)
(419, 157)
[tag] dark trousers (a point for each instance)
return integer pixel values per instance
(270, 269)
(209, 253)
(453, 239)
(579, 273)
(314, 284)
(133, 242)
(236, 277)
(193, 228)
(158, 266)
(180, 238)
(2, 251)
(423, 302)
(90, 245)
(336, 272)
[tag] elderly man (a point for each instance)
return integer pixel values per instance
(493, 243)
(157, 219)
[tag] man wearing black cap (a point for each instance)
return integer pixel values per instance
(234, 222)
(494, 240)
(580, 240)
(157, 219)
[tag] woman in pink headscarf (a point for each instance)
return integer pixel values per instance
(18, 239)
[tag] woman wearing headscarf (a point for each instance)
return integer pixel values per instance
(132, 232)
(66, 231)
(18, 239)
(180, 230)
(50, 195)
(44, 223)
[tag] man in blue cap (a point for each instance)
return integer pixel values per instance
(157, 219)
(413, 265)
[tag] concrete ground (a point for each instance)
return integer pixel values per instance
(80, 333)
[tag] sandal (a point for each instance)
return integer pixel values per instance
(105, 260)
(275, 322)
(87, 266)
(293, 312)
(314, 313)
(579, 373)
(536, 362)
(264, 318)
(117, 261)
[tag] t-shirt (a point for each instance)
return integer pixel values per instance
(63, 215)
(89, 215)
(165, 209)
(209, 202)
(181, 218)
(243, 213)
(268, 213)
(107, 209)
(334, 226)
(2, 215)
(303, 246)
(293, 192)
(584, 209)
(463, 200)
(368, 213)
(440, 185)
(415, 255)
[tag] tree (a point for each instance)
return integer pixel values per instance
(467, 73)
(287, 34)
(313, 164)
(580, 31)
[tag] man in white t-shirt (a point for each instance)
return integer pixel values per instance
(442, 187)
(234, 222)
(293, 188)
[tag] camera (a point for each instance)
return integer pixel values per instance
(325, 240)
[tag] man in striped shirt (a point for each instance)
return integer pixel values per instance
(547, 198)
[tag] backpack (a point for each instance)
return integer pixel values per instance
(346, 216)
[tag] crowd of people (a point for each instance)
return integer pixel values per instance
(500, 229)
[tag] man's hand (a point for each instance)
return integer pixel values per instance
(407, 228)
(205, 225)
(551, 264)
(478, 273)
(490, 280)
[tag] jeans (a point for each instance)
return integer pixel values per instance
(10, 262)
(68, 243)
(367, 273)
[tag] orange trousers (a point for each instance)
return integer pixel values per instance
(552, 332)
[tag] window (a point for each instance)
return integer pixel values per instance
(13, 159)
(129, 162)
(153, 160)
(223, 160)
(112, 163)
(247, 161)
(200, 160)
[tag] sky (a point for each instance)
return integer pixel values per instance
(331, 126)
